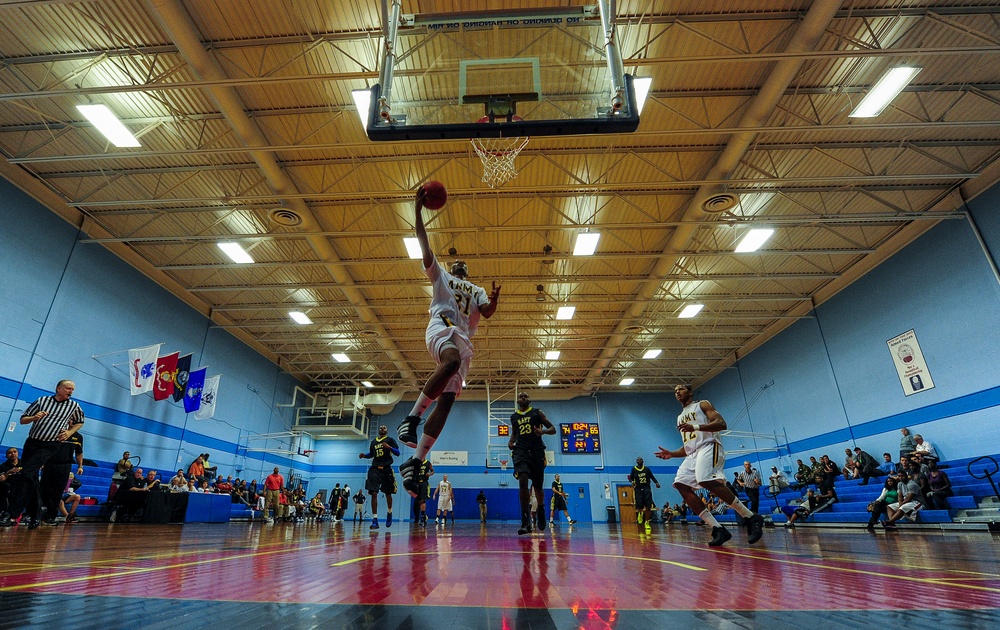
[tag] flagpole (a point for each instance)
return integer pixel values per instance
(104, 354)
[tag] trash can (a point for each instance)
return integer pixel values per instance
(612, 514)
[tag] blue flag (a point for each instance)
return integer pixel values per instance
(192, 396)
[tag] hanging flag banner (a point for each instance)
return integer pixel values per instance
(209, 396)
(195, 389)
(909, 361)
(142, 368)
(165, 368)
(181, 377)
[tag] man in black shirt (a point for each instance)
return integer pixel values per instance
(380, 475)
(55, 475)
(8, 469)
(559, 502)
(425, 470)
(528, 455)
(640, 478)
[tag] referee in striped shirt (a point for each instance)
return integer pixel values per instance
(53, 419)
(749, 480)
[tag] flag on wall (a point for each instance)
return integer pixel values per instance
(181, 377)
(209, 396)
(142, 368)
(165, 368)
(195, 385)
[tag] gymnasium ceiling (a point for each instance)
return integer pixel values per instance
(247, 126)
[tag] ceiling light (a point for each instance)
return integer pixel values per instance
(544, 382)
(236, 253)
(586, 243)
(565, 312)
(300, 318)
(887, 88)
(753, 240)
(541, 293)
(691, 310)
(368, 384)
(641, 86)
(626, 381)
(652, 353)
(551, 355)
(105, 121)
(340, 357)
(413, 247)
(363, 101)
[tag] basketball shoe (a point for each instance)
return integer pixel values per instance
(407, 431)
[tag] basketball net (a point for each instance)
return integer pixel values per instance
(498, 156)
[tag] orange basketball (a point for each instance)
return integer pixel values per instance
(435, 195)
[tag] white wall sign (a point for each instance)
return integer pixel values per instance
(450, 458)
(909, 361)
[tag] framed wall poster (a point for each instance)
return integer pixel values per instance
(910, 365)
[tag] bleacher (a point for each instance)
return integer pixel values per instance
(853, 498)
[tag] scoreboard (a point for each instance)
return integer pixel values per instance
(580, 437)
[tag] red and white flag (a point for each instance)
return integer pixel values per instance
(142, 368)
(166, 367)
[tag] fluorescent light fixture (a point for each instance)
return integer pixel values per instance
(340, 357)
(565, 312)
(882, 93)
(363, 101)
(652, 353)
(236, 253)
(544, 382)
(586, 243)
(299, 317)
(641, 85)
(108, 124)
(368, 384)
(753, 239)
(551, 355)
(412, 247)
(691, 310)
(626, 381)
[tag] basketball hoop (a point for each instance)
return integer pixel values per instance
(503, 473)
(498, 156)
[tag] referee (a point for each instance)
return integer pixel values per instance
(53, 420)
(749, 480)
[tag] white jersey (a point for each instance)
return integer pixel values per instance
(455, 301)
(694, 440)
(444, 489)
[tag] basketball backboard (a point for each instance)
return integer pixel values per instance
(502, 73)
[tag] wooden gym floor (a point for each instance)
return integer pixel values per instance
(308, 575)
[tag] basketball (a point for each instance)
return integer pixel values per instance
(435, 195)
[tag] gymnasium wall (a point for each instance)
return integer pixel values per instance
(67, 301)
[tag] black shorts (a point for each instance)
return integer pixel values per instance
(643, 497)
(381, 479)
(531, 462)
(423, 491)
(558, 502)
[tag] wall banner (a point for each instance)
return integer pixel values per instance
(910, 365)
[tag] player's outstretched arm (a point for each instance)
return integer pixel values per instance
(665, 454)
(421, 231)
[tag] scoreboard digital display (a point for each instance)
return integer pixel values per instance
(503, 430)
(580, 437)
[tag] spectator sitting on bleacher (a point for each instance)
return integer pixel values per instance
(806, 507)
(887, 466)
(850, 469)
(123, 468)
(204, 488)
(827, 495)
(131, 497)
(196, 470)
(815, 468)
(889, 495)
(210, 470)
(176, 485)
(908, 503)
(865, 466)
(939, 488)
(223, 486)
(829, 468)
(920, 463)
(777, 480)
(190, 487)
(802, 475)
(925, 448)
(179, 478)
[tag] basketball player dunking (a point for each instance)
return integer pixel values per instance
(456, 306)
(704, 459)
